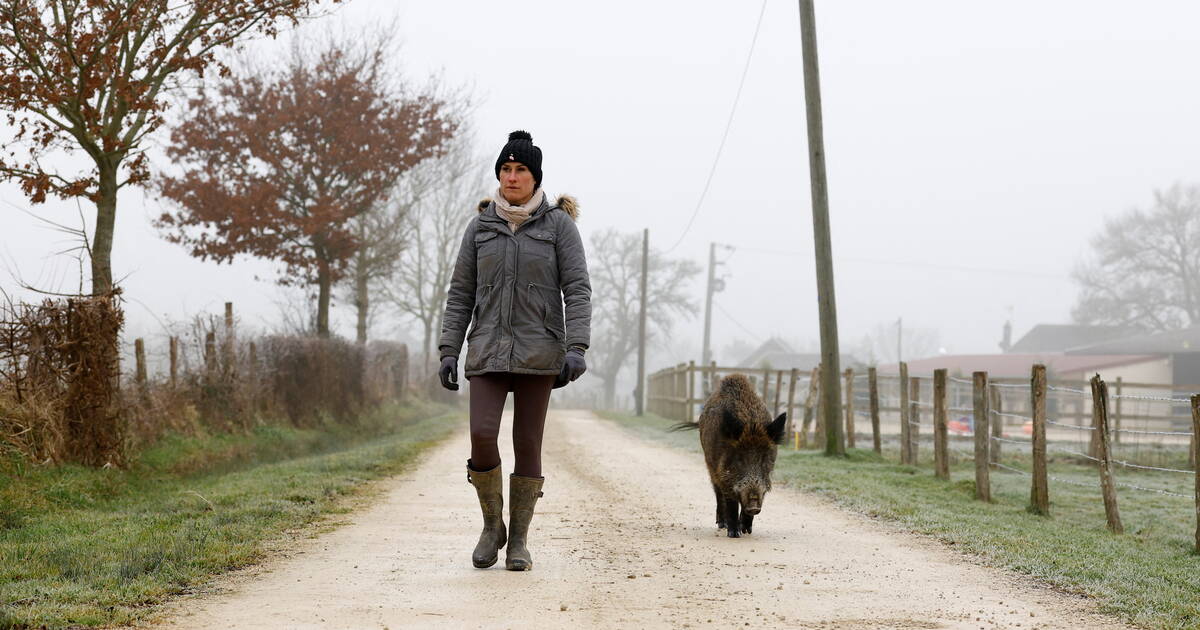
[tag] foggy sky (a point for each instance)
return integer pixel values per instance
(973, 149)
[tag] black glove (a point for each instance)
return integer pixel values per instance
(449, 373)
(575, 366)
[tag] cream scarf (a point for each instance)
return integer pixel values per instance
(516, 215)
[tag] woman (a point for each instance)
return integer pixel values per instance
(520, 266)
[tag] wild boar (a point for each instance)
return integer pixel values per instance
(740, 442)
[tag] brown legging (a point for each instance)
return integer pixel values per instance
(531, 397)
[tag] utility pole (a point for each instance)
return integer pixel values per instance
(899, 338)
(715, 285)
(706, 353)
(641, 369)
(831, 390)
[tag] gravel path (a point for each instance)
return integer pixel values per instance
(624, 538)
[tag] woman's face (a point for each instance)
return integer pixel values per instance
(516, 183)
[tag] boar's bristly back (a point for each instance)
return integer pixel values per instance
(740, 413)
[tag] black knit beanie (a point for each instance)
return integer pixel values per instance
(520, 148)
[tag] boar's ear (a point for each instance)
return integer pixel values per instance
(775, 429)
(731, 427)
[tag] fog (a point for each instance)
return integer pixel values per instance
(973, 149)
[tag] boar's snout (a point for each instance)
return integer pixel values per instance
(753, 505)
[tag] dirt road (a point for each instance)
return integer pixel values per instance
(624, 538)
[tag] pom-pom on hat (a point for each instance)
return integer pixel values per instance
(520, 148)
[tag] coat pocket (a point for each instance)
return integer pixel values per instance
(482, 297)
(541, 243)
(552, 310)
(489, 252)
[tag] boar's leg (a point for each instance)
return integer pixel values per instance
(731, 517)
(747, 521)
(720, 507)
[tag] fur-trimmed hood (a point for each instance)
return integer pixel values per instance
(566, 203)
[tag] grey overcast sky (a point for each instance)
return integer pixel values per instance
(973, 148)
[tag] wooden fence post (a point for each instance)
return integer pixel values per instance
(173, 342)
(1196, 459)
(809, 404)
(1039, 492)
(791, 401)
(914, 413)
(1094, 438)
(873, 392)
(850, 407)
(1107, 487)
(997, 423)
(905, 415)
(139, 351)
(210, 354)
(227, 345)
(653, 387)
(691, 391)
(941, 456)
(779, 391)
(681, 413)
(712, 387)
(1116, 417)
(983, 438)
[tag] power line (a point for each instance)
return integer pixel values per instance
(739, 324)
(724, 136)
(910, 263)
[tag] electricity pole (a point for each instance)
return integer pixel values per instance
(715, 284)
(641, 369)
(706, 353)
(831, 390)
(899, 338)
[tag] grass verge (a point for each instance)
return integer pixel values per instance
(81, 547)
(1149, 576)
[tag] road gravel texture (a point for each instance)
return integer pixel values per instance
(624, 538)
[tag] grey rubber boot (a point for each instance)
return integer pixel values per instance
(489, 485)
(523, 493)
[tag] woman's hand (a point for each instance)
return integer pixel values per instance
(449, 373)
(575, 366)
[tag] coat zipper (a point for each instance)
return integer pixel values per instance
(512, 299)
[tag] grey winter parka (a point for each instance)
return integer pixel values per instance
(526, 296)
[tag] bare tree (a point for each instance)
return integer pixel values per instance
(382, 239)
(443, 195)
(1144, 269)
(615, 265)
